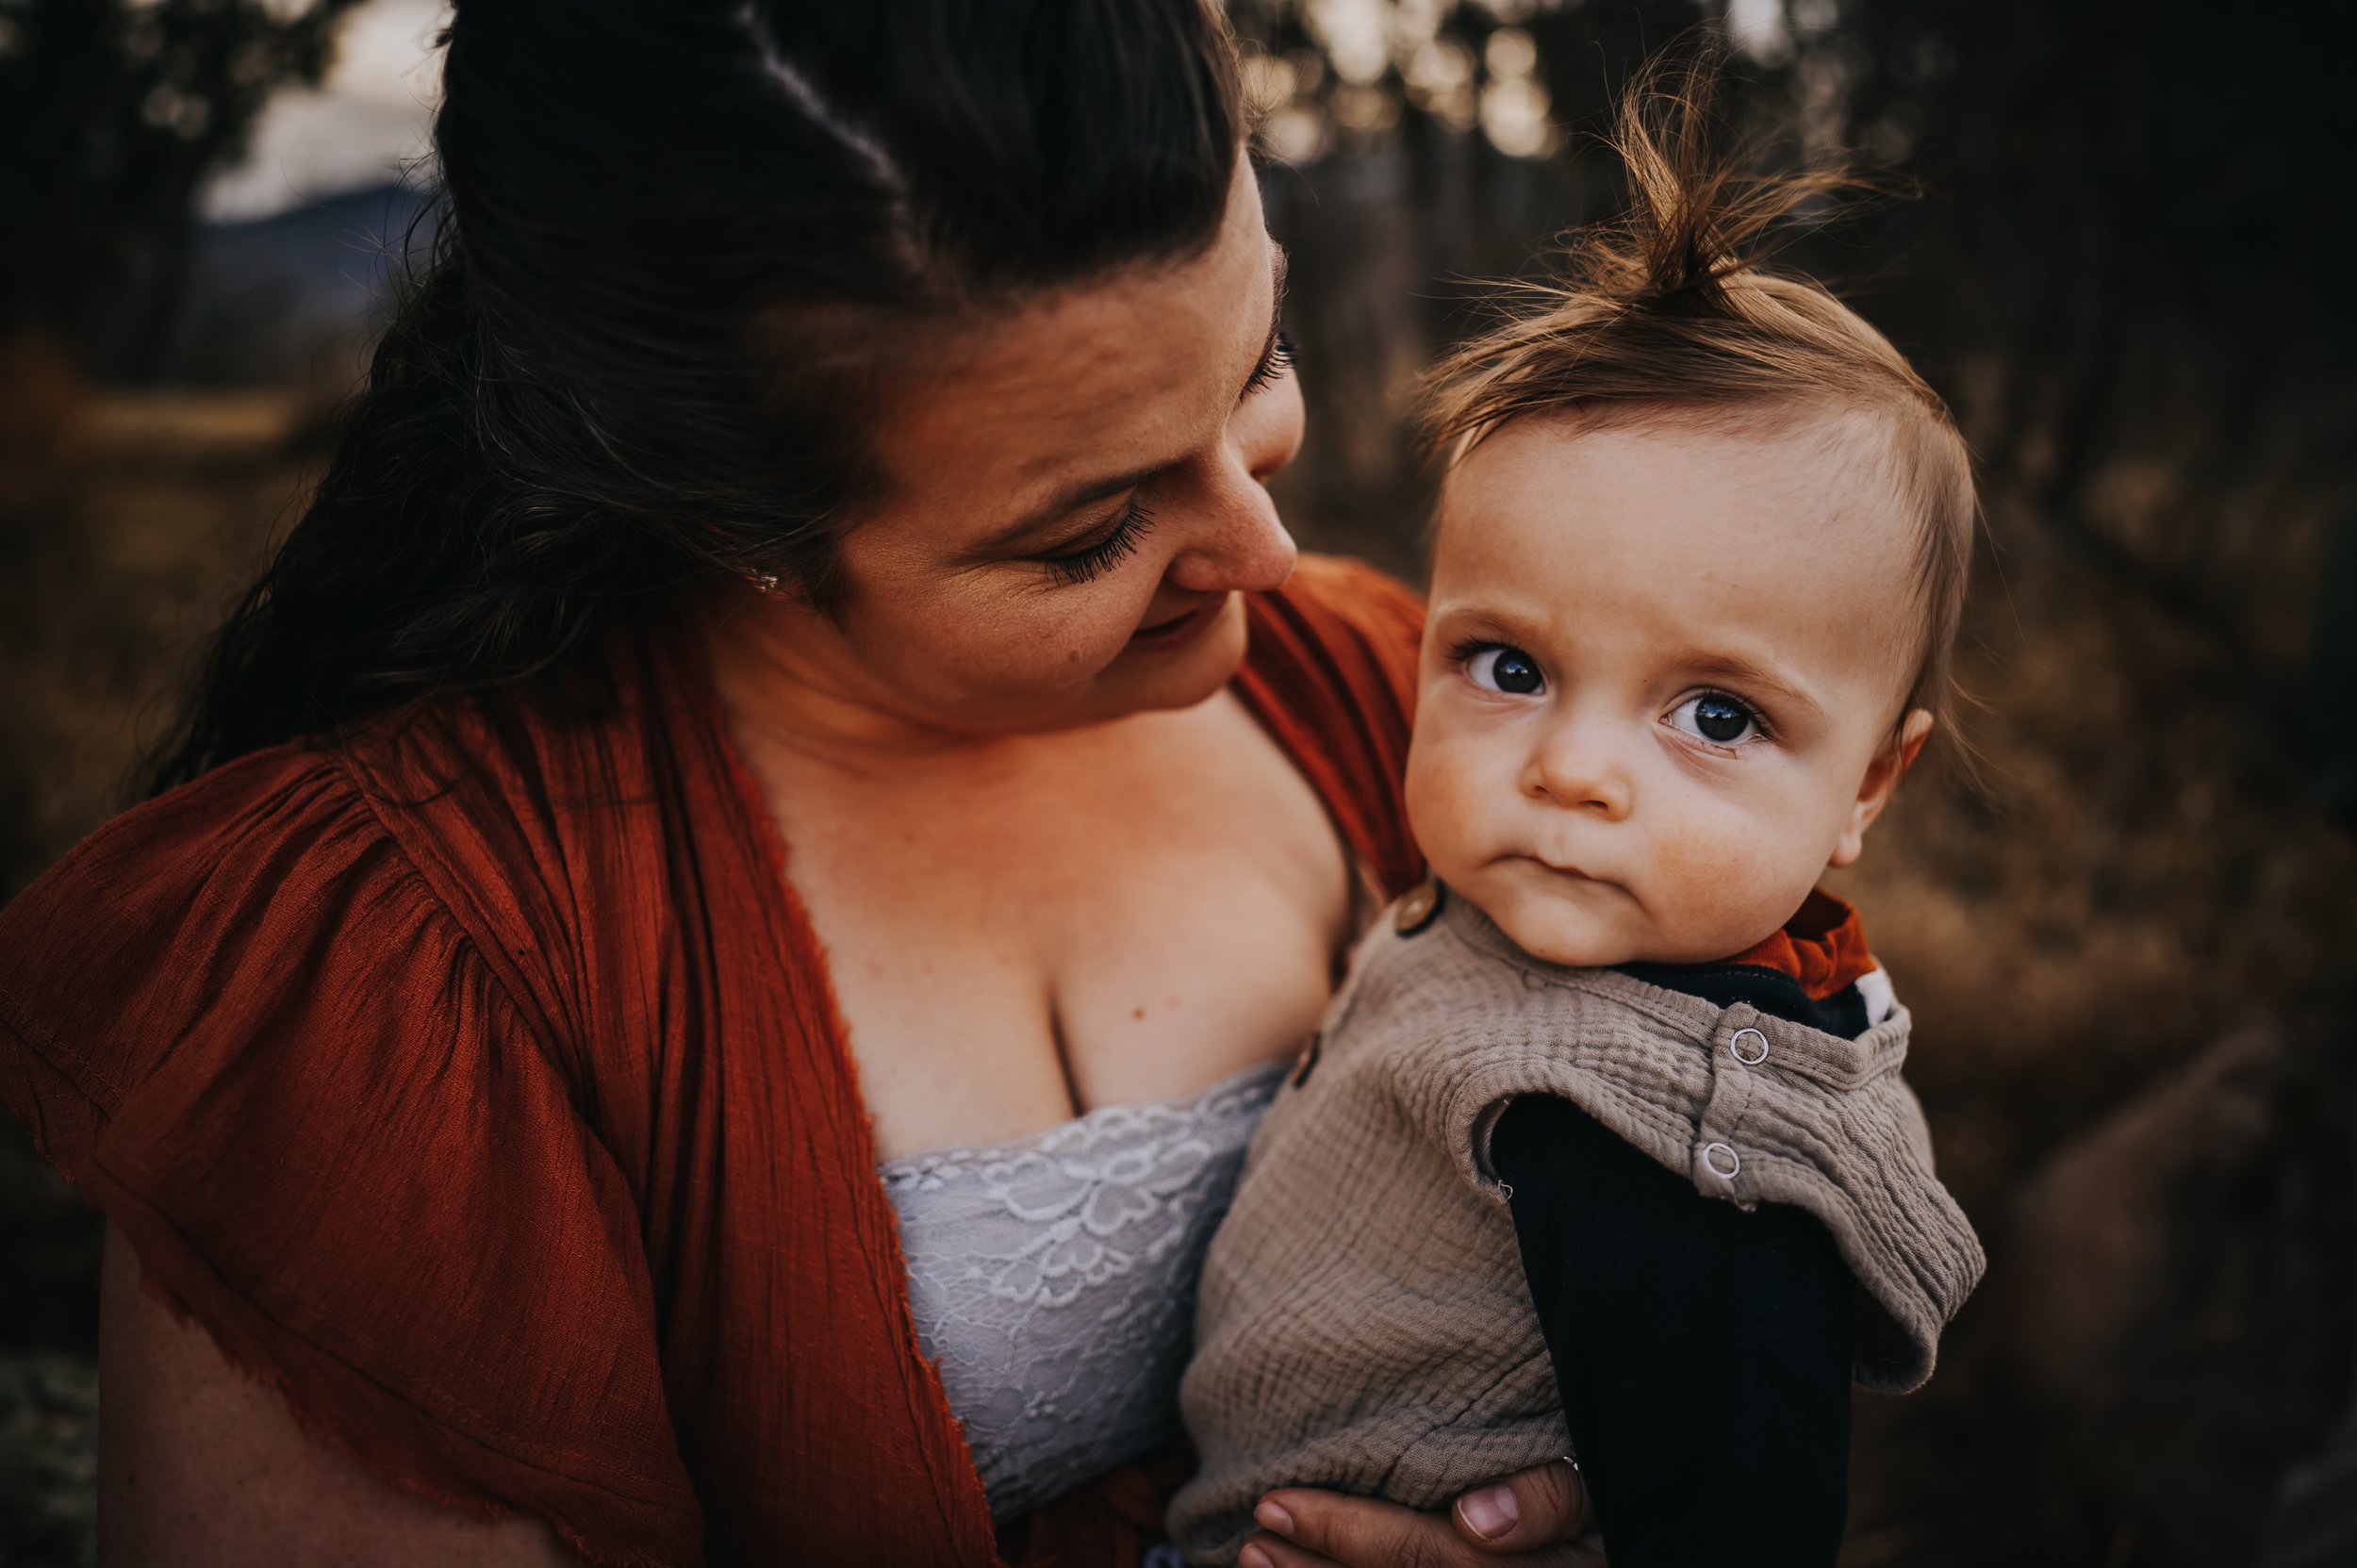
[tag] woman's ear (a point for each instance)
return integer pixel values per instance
(1883, 775)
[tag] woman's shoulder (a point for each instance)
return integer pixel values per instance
(270, 873)
(340, 1135)
(1330, 670)
(1337, 645)
(429, 854)
(1335, 607)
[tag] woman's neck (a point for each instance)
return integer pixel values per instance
(789, 686)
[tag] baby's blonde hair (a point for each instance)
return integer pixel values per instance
(1669, 314)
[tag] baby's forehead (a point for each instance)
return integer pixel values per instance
(1796, 529)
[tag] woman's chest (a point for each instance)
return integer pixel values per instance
(1127, 916)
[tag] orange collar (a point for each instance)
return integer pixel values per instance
(1823, 947)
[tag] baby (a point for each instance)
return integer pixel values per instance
(1602, 1150)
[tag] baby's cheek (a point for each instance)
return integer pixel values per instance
(1450, 795)
(1721, 882)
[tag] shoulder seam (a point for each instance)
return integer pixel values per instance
(466, 936)
(43, 1039)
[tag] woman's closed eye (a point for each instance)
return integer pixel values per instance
(1280, 359)
(1720, 720)
(1502, 668)
(1108, 547)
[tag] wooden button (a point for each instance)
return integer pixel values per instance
(1417, 908)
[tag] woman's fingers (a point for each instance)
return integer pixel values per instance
(1538, 1507)
(1308, 1529)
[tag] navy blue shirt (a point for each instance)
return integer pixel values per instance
(1703, 1352)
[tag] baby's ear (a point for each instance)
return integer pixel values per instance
(1883, 775)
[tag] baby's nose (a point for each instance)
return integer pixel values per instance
(1573, 770)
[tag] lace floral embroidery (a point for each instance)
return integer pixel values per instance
(1053, 1279)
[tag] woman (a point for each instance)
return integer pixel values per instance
(792, 669)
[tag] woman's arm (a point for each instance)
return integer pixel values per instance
(199, 1466)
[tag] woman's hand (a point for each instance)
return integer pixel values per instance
(1536, 1514)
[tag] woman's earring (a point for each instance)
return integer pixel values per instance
(766, 581)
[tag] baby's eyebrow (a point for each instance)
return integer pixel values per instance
(1478, 620)
(1707, 664)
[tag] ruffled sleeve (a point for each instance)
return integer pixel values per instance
(1332, 674)
(240, 1019)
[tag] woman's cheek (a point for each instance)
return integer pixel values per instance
(1034, 640)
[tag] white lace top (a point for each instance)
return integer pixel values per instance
(1053, 1279)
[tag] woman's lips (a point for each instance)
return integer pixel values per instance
(1179, 628)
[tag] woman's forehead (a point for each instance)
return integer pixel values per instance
(1131, 371)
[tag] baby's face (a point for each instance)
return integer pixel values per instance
(1659, 681)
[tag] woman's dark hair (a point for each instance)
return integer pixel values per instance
(675, 234)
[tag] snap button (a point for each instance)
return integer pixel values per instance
(1758, 1051)
(1722, 1161)
(1417, 907)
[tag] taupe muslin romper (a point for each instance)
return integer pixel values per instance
(1364, 1324)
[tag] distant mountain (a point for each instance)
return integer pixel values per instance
(267, 298)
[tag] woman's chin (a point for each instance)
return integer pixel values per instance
(1180, 666)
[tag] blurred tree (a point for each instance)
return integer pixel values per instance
(1418, 149)
(2132, 201)
(114, 113)
(2113, 273)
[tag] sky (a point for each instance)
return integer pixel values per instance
(358, 128)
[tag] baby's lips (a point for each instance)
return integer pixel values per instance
(1561, 868)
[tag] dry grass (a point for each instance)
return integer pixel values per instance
(126, 526)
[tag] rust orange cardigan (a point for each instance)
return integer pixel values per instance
(477, 1084)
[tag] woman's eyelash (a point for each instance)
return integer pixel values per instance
(1089, 561)
(1280, 359)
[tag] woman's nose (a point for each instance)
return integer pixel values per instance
(1241, 544)
(1575, 766)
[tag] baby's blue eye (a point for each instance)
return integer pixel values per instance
(1506, 669)
(1717, 718)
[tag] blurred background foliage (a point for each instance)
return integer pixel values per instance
(2127, 932)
